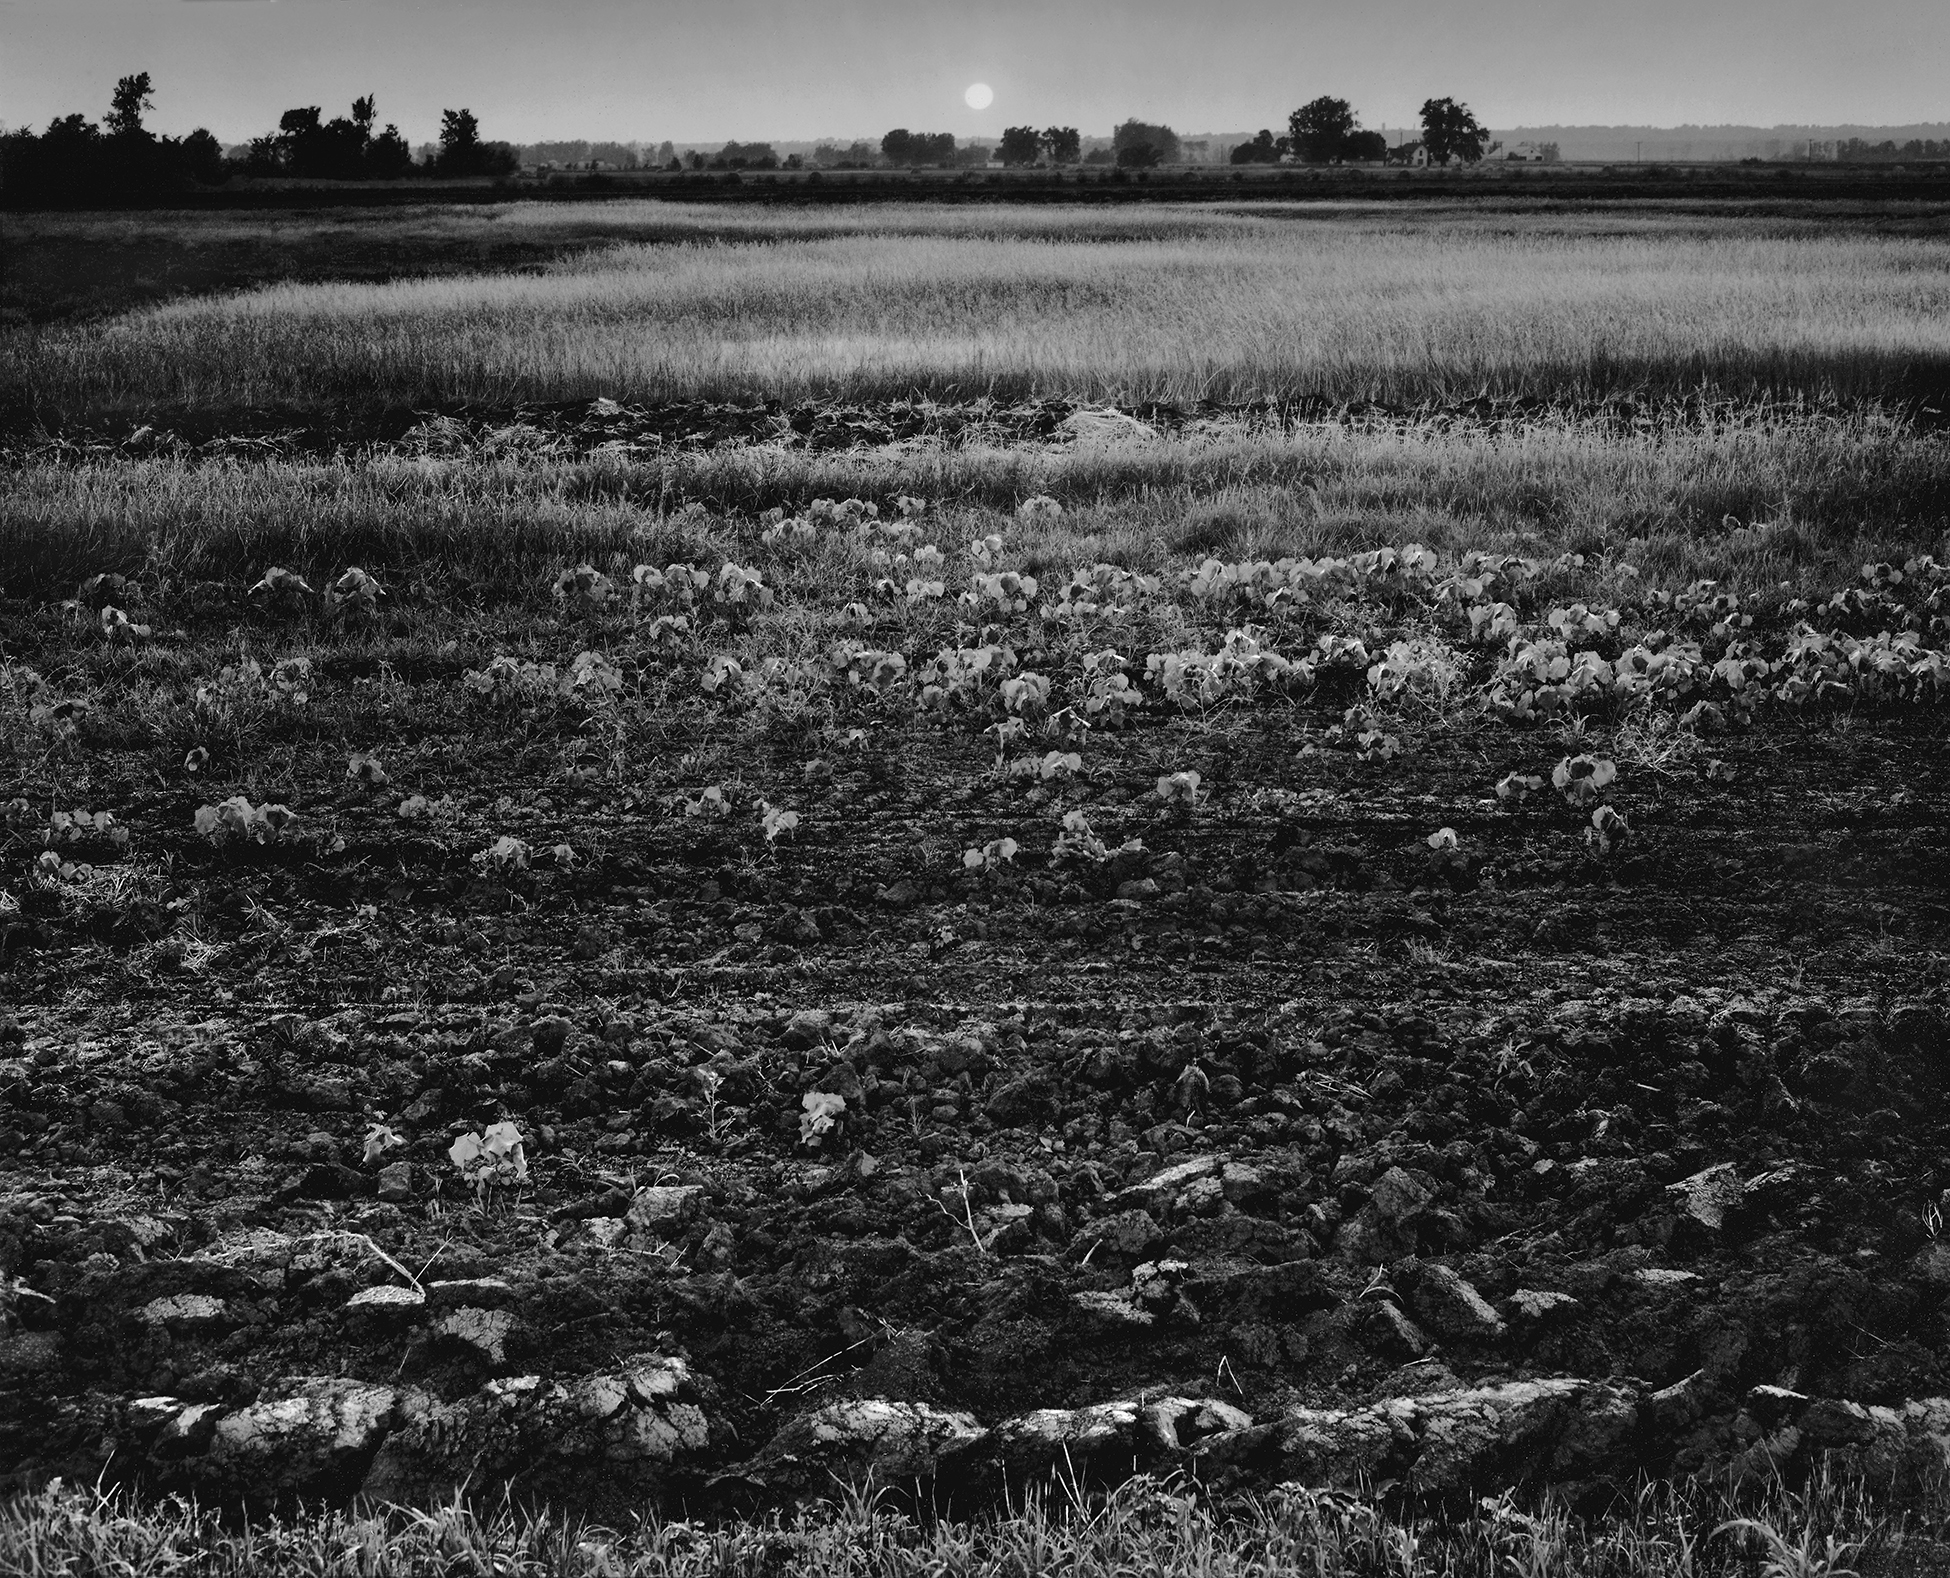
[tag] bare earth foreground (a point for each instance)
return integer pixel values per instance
(931, 986)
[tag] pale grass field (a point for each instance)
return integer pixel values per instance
(1163, 302)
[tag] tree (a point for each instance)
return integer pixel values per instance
(1365, 147)
(902, 146)
(1320, 129)
(388, 158)
(1063, 144)
(460, 143)
(746, 156)
(203, 158)
(1140, 146)
(1261, 150)
(1449, 131)
(125, 109)
(1021, 145)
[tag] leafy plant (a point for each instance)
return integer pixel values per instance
(282, 588)
(584, 586)
(118, 627)
(355, 594)
(1515, 788)
(674, 583)
(494, 1156)
(1179, 789)
(380, 1139)
(821, 1113)
(992, 856)
(1039, 507)
(506, 854)
(248, 684)
(1583, 780)
(237, 820)
(776, 821)
(1608, 829)
(710, 803)
(1051, 765)
(80, 827)
(740, 590)
(1079, 844)
(1007, 591)
(365, 768)
(1026, 694)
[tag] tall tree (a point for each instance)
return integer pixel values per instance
(387, 156)
(1261, 150)
(1021, 145)
(1450, 131)
(1140, 146)
(1319, 130)
(1063, 144)
(460, 143)
(131, 98)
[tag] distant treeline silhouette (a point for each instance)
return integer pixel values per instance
(1859, 150)
(78, 163)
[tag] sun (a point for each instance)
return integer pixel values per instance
(979, 96)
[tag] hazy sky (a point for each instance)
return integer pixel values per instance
(706, 70)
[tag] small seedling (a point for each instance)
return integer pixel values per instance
(364, 767)
(1583, 780)
(710, 803)
(280, 585)
(777, 821)
(992, 856)
(823, 1111)
(1079, 842)
(117, 626)
(1179, 789)
(1039, 507)
(355, 594)
(237, 819)
(506, 854)
(1026, 695)
(380, 1139)
(1515, 788)
(494, 1156)
(1608, 829)
(584, 586)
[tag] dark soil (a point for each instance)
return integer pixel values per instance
(1499, 1065)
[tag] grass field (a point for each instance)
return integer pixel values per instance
(1392, 952)
(1170, 303)
(1145, 1531)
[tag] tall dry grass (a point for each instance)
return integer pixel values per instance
(1165, 303)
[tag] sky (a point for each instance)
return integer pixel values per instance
(709, 70)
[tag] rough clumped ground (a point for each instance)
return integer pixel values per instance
(1288, 1146)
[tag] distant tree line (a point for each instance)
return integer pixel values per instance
(1327, 131)
(76, 161)
(342, 149)
(1859, 150)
